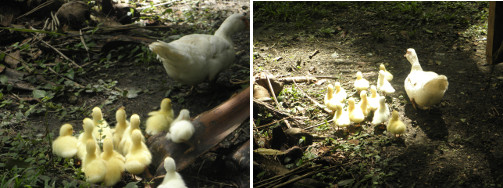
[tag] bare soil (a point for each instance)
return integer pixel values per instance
(455, 144)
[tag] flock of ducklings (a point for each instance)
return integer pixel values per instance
(374, 103)
(124, 147)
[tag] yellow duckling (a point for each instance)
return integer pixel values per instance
(360, 82)
(120, 127)
(340, 93)
(364, 104)
(93, 166)
(355, 114)
(374, 98)
(383, 85)
(182, 129)
(139, 156)
(114, 162)
(395, 126)
(126, 141)
(66, 144)
(172, 179)
(387, 74)
(341, 117)
(381, 115)
(160, 120)
(85, 137)
(100, 125)
(329, 99)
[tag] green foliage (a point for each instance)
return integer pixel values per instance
(26, 161)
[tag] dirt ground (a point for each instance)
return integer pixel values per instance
(456, 144)
(151, 84)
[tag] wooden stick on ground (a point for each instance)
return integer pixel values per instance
(275, 99)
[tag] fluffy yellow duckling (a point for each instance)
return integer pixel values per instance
(340, 93)
(381, 115)
(160, 120)
(120, 127)
(66, 144)
(100, 124)
(341, 117)
(424, 88)
(93, 166)
(172, 179)
(139, 157)
(364, 104)
(383, 85)
(126, 141)
(182, 129)
(360, 82)
(329, 99)
(355, 114)
(374, 98)
(85, 137)
(395, 126)
(387, 74)
(114, 162)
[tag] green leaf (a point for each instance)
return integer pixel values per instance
(347, 182)
(70, 74)
(39, 94)
(3, 79)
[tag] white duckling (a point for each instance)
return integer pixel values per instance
(374, 98)
(340, 93)
(195, 58)
(387, 74)
(139, 157)
(102, 129)
(84, 137)
(120, 127)
(360, 82)
(126, 141)
(172, 179)
(395, 126)
(424, 88)
(66, 144)
(364, 104)
(114, 162)
(160, 120)
(341, 117)
(355, 114)
(182, 129)
(93, 166)
(381, 115)
(383, 85)
(329, 100)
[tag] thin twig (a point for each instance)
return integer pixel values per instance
(312, 100)
(76, 84)
(275, 99)
(20, 60)
(36, 8)
(60, 53)
(276, 121)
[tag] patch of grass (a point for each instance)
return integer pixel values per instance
(26, 160)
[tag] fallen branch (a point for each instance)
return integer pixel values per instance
(269, 108)
(298, 79)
